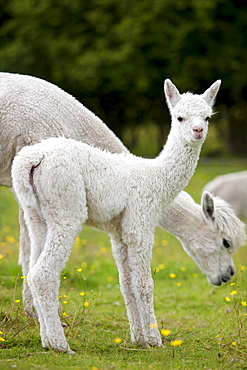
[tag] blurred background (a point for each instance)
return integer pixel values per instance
(114, 55)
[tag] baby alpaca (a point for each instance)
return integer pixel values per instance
(61, 184)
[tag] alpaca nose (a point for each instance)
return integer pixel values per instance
(197, 132)
(197, 129)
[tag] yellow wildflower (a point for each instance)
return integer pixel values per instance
(2, 339)
(165, 332)
(79, 270)
(234, 343)
(17, 301)
(227, 299)
(86, 304)
(104, 250)
(176, 342)
(82, 293)
(1, 256)
(179, 284)
(172, 275)
(10, 239)
(117, 340)
(195, 275)
(234, 292)
(64, 314)
(244, 303)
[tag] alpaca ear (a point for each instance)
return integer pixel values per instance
(210, 94)
(208, 207)
(172, 94)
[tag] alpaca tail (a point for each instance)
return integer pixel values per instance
(22, 172)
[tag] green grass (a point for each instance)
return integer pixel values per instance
(213, 331)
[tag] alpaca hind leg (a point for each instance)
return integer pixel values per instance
(44, 278)
(37, 232)
(24, 260)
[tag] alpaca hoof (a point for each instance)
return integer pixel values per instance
(155, 342)
(68, 350)
(58, 348)
(149, 342)
(55, 344)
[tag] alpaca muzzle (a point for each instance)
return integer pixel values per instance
(197, 132)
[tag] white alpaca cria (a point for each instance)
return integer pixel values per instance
(232, 187)
(61, 184)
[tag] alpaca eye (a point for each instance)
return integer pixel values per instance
(207, 118)
(180, 119)
(226, 243)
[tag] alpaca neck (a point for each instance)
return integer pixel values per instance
(181, 216)
(178, 160)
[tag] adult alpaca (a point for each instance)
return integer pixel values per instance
(231, 187)
(121, 194)
(209, 233)
(31, 110)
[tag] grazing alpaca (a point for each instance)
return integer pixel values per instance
(232, 187)
(209, 233)
(61, 184)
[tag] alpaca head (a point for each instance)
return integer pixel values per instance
(190, 113)
(212, 244)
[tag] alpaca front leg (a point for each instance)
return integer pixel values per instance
(120, 253)
(143, 282)
(139, 258)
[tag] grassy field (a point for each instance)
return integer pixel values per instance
(209, 323)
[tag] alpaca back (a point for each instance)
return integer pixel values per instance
(61, 172)
(32, 109)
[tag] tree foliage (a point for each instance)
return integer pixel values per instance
(114, 55)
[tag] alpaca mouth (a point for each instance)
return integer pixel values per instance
(223, 277)
(197, 136)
